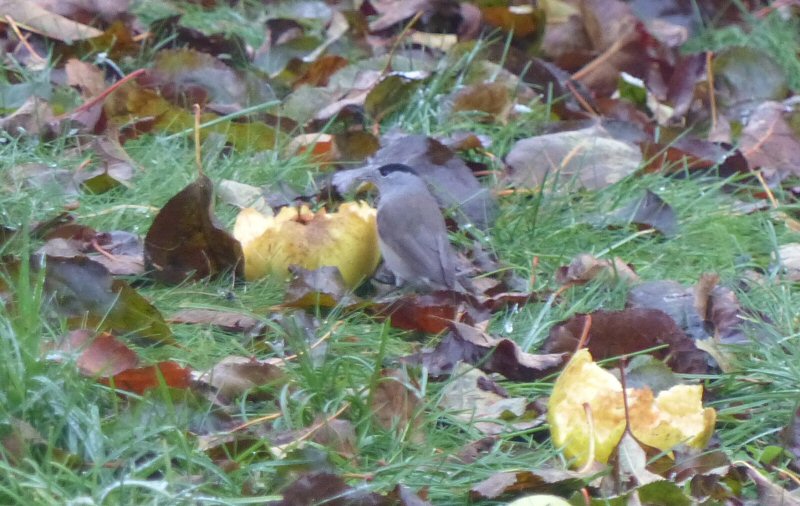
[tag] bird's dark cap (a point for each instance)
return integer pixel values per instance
(396, 167)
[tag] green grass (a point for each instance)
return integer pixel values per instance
(99, 447)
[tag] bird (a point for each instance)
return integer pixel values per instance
(412, 234)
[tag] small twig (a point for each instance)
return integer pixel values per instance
(772, 200)
(198, 159)
(601, 58)
(103, 252)
(122, 207)
(584, 333)
(397, 42)
(254, 421)
(534, 267)
(712, 98)
(23, 40)
(582, 101)
(101, 97)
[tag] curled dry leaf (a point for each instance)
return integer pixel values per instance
(184, 241)
(584, 268)
(347, 239)
(234, 376)
(676, 416)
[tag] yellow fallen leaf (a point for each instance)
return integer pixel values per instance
(347, 239)
(674, 416)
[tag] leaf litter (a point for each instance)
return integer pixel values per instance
(624, 89)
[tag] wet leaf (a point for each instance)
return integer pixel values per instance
(319, 488)
(43, 21)
(184, 242)
(103, 355)
(491, 99)
(346, 239)
(81, 288)
(230, 321)
(732, 70)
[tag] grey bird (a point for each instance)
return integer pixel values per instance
(411, 230)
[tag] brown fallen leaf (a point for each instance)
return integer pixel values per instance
(589, 158)
(617, 333)
(584, 268)
(395, 406)
(233, 376)
(493, 100)
(472, 346)
(143, 379)
(541, 481)
(769, 142)
(104, 356)
(185, 243)
(40, 20)
(229, 321)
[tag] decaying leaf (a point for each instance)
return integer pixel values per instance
(84, 291)
(486, 410)
(347, 239)
(184, 242)
(769, 142)
(583, 390)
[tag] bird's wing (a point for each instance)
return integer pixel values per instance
(426, 250)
